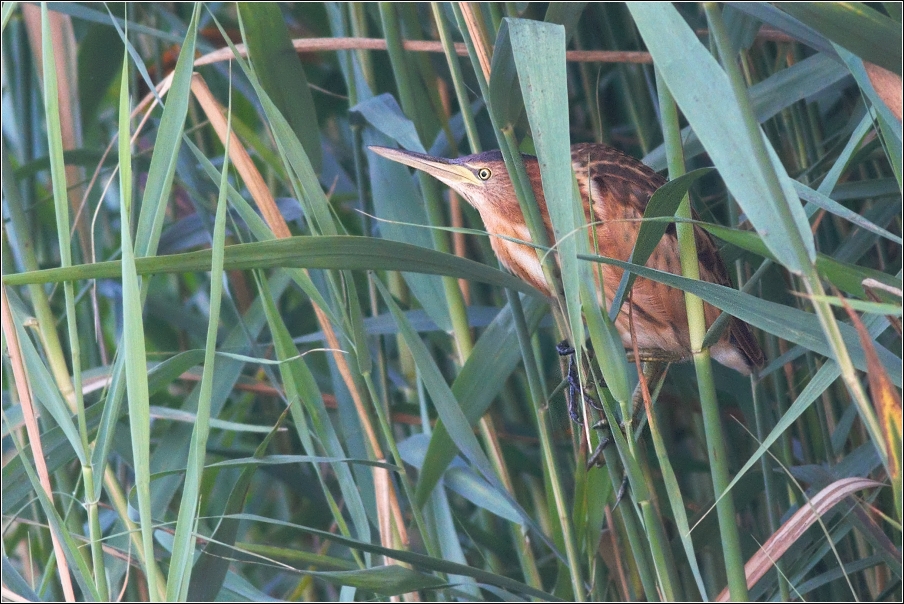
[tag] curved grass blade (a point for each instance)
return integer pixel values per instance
(824, 378)
(339, 252)
(416, 560)
(791, 530)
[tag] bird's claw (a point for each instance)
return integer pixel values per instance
(596, 458)
(621, 492)
(564, 349)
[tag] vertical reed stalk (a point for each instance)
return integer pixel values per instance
(712, 421)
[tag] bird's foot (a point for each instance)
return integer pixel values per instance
(596, 458)
(621, 492)
(564, 349)
(653, 373)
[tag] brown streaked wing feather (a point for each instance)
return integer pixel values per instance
(615, 170)
(630, 181)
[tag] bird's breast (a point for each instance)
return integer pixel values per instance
(518, 258)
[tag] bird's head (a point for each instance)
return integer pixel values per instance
(482, 179)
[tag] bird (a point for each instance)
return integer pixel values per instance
(615, 189)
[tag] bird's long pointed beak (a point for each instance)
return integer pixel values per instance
(440, 168)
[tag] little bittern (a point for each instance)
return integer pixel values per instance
(615, 189)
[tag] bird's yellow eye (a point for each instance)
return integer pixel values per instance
(484, 173)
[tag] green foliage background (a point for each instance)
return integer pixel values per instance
(353, 401)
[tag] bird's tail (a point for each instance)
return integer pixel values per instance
(741, 336)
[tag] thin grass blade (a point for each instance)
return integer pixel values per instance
(181, 559)
(211, 567)
(134, 353)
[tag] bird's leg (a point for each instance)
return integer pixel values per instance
(569, 374)
(654, 367)
(574, 389)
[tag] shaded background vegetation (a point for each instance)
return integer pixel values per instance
(329, 417)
